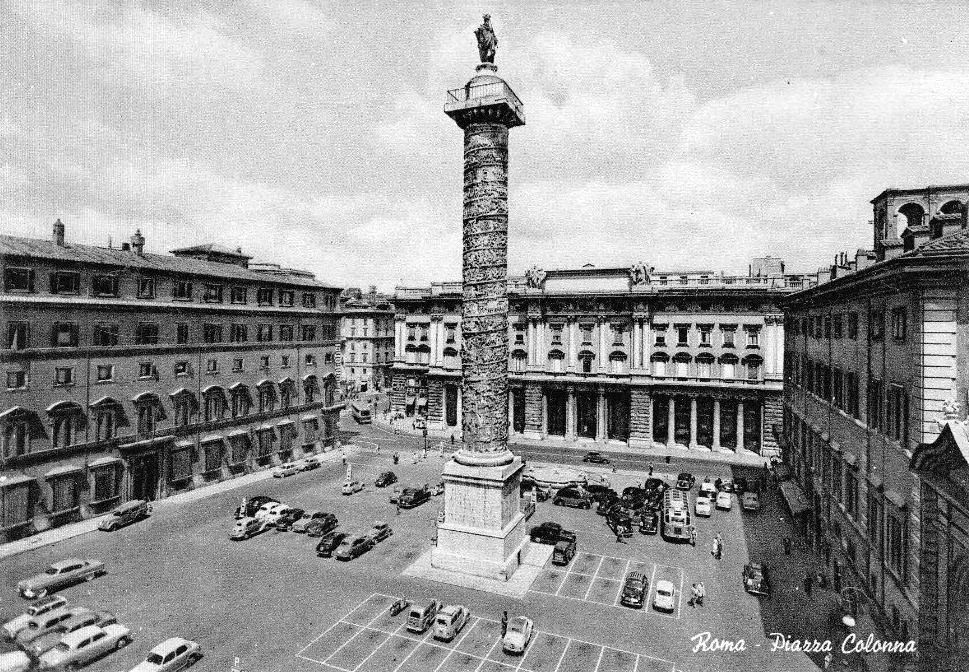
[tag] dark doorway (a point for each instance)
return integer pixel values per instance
(728, 423)
(555, 400)
(617, 404)
(682, 420)
(451, 405)
(704, 421)
(752, 425)
(518, 410)
(144, 476)
(586, 408)
(661, 419)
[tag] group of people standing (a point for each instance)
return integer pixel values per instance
(699, 592)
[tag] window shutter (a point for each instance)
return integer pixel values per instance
(30, 279)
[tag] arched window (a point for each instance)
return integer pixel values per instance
(704, 365)
(659, 362)
(728, 366)
(754, 364)
(617, 362)
(16, 431)
(107, 413)
(241, 400)
(310, 388)
(586, 358)
(951, 208)
(185, 405)
(556, 361)
(682, 361)
(410, 354)
(451, 360)
(150, 411)
(910, 215)
(267, 395)
(214, 403)
(329, 391)
(66, 422)
(519, 361)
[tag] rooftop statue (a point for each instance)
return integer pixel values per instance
(486, 40)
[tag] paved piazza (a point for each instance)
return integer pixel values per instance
(271, 602)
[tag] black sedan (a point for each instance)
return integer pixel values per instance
(685, 481)
(322, 525)
(385, 479)
(330, 543)
(755, 579)
(649, 523)
(595, 457)
(598, 491)
(253, 504)
(550, 533)
(606, 503)
(286, 520)
(634, 498)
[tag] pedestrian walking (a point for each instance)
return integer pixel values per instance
(650, 469)
(619, 539)
(452, 442)
(398, 509)
(822, 580)
(828, 659)
(787, 545)
(808, 583)
(344, 459)
(701, 593)
(694, 594)
(716, 548)
(504, 623)
(693, 536)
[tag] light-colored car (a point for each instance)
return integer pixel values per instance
(52, 621)
(37, 608)
(248, 527)
(665, 598)
(82, 646)
(276, 512)
(173, 654)
(287, 469)
(380, 531)
(310, 463)
(15, 661)
(450, 621)
(308, 516)
(703, 506)
(751, 502)
(81, 619)
(708, 488)
(125, 514)
(351, 487)
(271, 510)
(61, 574)
(518, 635)
(724, 500)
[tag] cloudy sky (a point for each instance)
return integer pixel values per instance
(686, 134)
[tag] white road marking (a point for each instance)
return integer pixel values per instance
(363, 628)
(625, 573)
(568, 643)
(602, 651)
(592, 582)
(486, 655)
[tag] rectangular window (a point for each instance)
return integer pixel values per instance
(145, 370)
(213, 293)
(875, 394)
(238, 295)
(753, 338)
(180, 467)
(146, 333)
(851, 492)
(853, 326)
(310, 360)
(519, 335)
(238, 333)
(837, 326)
(287, 298)
(264, 333)
(659, 331)
(450, 331)
(728, 338)
(237, 365)
(264, 362)
(105, 372)
(212, 365)
(181, 333)
(104, 285)
(837, 384)
(105, 484)
(309, 332)
(853, 395)
(309, 300)
(705, 338)
(18, 280)
(896, 543)
(264, 296)
(876, 514)
(411, 332)
(182, 290)
(285, 332)
(18, 335)
(827, 326)
(556, 334)
(284, 362)
(16, 380)
(897, 412)
(876, 325)
(146, 288)
(106, 334)
(240, 447)
(899, 323)
(586, 334)
(64, 375)
(682, 335)
(618, 334)
(181, 368)
(212, 333)
(65, 282)
(64, 494)
(65, 335)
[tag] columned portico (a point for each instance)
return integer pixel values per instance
(740, 425)
(671, 423)
(716, 424)
(693, 424)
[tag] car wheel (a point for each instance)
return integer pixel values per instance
(557, 502)
(90, 577)
(72, 667)
(40, 593)
(123, 642)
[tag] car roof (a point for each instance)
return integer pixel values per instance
(379, 523)
(664, 583)
(133, 504)
(168, 645)
(638, 576)
(64, 563)
(450, 609)
(72, 639)
(521, 620)
(756, 566)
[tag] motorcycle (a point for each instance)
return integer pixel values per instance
(399, 606)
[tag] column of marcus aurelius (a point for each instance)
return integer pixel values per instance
(483, 531)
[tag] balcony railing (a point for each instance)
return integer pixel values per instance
(486, 92)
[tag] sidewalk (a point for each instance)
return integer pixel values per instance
(71, 530)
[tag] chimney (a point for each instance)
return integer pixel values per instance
(138, 243)
(59, 233)
(126, 247)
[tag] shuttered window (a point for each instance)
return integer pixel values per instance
(16, 505)
(105, 483)
(64, 491)
(180, 466)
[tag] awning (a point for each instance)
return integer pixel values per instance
(65, 407)
(286, 381)
(283, 423)
(264, 428)
(63, 471)
(179, 391)
(16, 479)
(307, 377)
(309, 417)
(795, 498)
(895, 498)
(14, 412)
(103, 462)
(238, 432)
(144, 396)
(212, 388)
(264, 381)
(236, 386)
(146, 443)
(211, 438)
(105, 401)
(185, 444)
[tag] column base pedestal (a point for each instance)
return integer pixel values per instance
(532, 434)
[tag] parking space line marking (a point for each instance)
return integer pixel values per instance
(562, 657)
(467, 628)
(315, 639)
(526, 650)
(625, 573)
(636, 665)
(679, 600)
(356, 634)
(652, 585)
(389, 637)
(593, 581)
(602, 651)
(483, 660)
(407, 657)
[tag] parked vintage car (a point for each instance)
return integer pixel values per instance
(322, 525)
(550, 533)
(385, 479)
(518, 634)
(125, 514)
(173, 654)
(287, 469)
(248, 527)
(310, 463)
(595, 457)
(354, 547)
(36, 608)
(449, 621)
(253, 504)
(39, 626)
(755, 579)
(634, 590)
(665, 598)
(288, 518)
(574, 497)
(724, 500)
(750, 501)
(703, 506)
(685, 481)
(380, 531)
(81, 618)
(329, 543)
(308, 516)
(61, 574)
(85, 645)
(649, 522)
(411, 497)
(350, 487)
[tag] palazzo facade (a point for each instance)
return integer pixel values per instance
(627, 356)
(131, 375)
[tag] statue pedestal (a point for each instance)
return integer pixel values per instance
(483, 532)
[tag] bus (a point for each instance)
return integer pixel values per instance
(361, 412)
(677, 525)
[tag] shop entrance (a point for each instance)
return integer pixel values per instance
(144, 476)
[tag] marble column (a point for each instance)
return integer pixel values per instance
(693, 424)
(601, 416)
(570, 415)
(567, 344)
(544, 413)
(671, 421)
(740, 425)
(716, 423)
